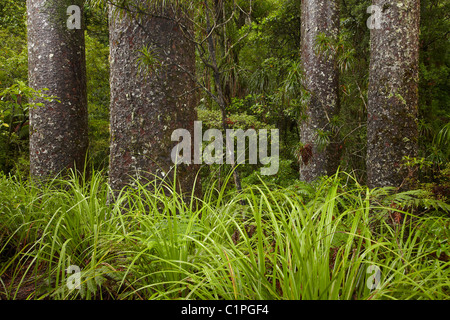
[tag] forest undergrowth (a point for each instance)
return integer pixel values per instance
(335, 239)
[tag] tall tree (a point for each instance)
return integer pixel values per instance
(392, 128)
(321, 79)
(56, 60)
(152, 92)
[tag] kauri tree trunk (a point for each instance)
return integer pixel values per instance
(56, 60)
(392, 127)
(321, 79)
(147, 105)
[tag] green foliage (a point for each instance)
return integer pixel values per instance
(15, 103)
(261, 72)
(434, 96)
(291, 240)
(213, 119)
(442, 143)
(339, 47)
(13, 73)
(304, 242)
(13, 58)
(99, 143)
(286, 176)
(13, 16)
(440, 184)
(97, 71)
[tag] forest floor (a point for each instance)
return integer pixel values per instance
(21, 286)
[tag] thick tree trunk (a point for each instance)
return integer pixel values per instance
(392, 128)
(147, 108)
(321, 79)
(56, 60)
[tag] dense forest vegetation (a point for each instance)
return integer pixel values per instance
(92, 205)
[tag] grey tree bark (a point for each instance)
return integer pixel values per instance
(321, 79)
(392, 127)
(56, 60)
(147, 107)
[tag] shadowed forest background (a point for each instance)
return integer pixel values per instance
(285, 236)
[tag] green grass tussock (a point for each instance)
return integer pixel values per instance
(335, 239)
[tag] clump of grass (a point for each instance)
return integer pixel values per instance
(316, 242)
